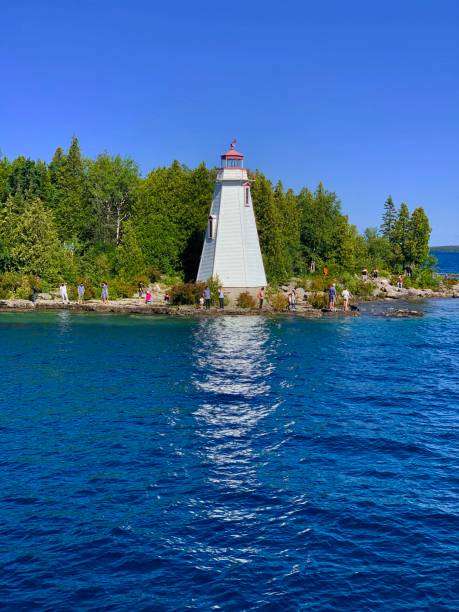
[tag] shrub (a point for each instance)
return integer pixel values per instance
(214, 285)
(153, 275)
(141, 279)
(170, 280)
(121, 289)
(186, 293)
(359, 288)
(279, 302)
(245, 300)
(319, 283)
(425, 279)
(318, 300)
(9, 282)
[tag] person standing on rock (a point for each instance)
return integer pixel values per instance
(63, 292)
(345, 295)
(148, 296)
(400, 282)
(261, 297)
(104, 294)
(34, 294)
(332, 297)
(80, 292)
(221, 298)
(206, 296)
(292, 300)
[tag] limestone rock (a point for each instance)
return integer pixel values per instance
(19, 304)
(300, 293)
(402, 313)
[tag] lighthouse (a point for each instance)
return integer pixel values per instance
(231, 248)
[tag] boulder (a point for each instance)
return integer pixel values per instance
(20, 304)
(300, 294)
(402, 313)
(44, 296)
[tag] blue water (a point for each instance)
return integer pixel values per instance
(229, 464)
(448, 263)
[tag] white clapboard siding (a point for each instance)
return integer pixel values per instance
(234, 253)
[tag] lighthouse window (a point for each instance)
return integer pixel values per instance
(212, 226)
(247, 196)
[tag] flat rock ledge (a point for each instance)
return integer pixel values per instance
(402, 313)
(131, 306)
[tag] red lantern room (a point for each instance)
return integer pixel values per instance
(232, 158)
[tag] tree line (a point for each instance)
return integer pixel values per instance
(97, 219)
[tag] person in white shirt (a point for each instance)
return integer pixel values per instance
(345, 295)
(63, 292)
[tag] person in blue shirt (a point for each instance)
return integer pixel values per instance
(332, 297)
(80, 291)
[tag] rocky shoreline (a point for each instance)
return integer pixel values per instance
(382, 291)
(136, 307)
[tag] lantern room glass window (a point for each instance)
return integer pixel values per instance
(231, 163)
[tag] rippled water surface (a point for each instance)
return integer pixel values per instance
(233, 463)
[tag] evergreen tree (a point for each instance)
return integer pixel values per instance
(417, 245)
(5, 169)
(389, 218)
(71, 208)
(130, 260)
(268, 227)
(400, 237)
(32, 241)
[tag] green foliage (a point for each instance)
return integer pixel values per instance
(318, 300)
(112, 183)
(129, 257)
(389, 218)
(171, 216)
(246, 300)
(120, 288)
(102, 220)
(69, 199)
(214, 285)
(186, 293)
(424, 278)
(32, 241)
(9, 283)
(278, 302)
(417, 245)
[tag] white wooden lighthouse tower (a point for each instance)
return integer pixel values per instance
(231, 248)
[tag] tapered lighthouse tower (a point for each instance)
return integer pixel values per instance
(231, 248)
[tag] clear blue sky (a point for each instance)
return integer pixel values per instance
(361, 95)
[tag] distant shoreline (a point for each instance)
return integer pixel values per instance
(445, 249)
